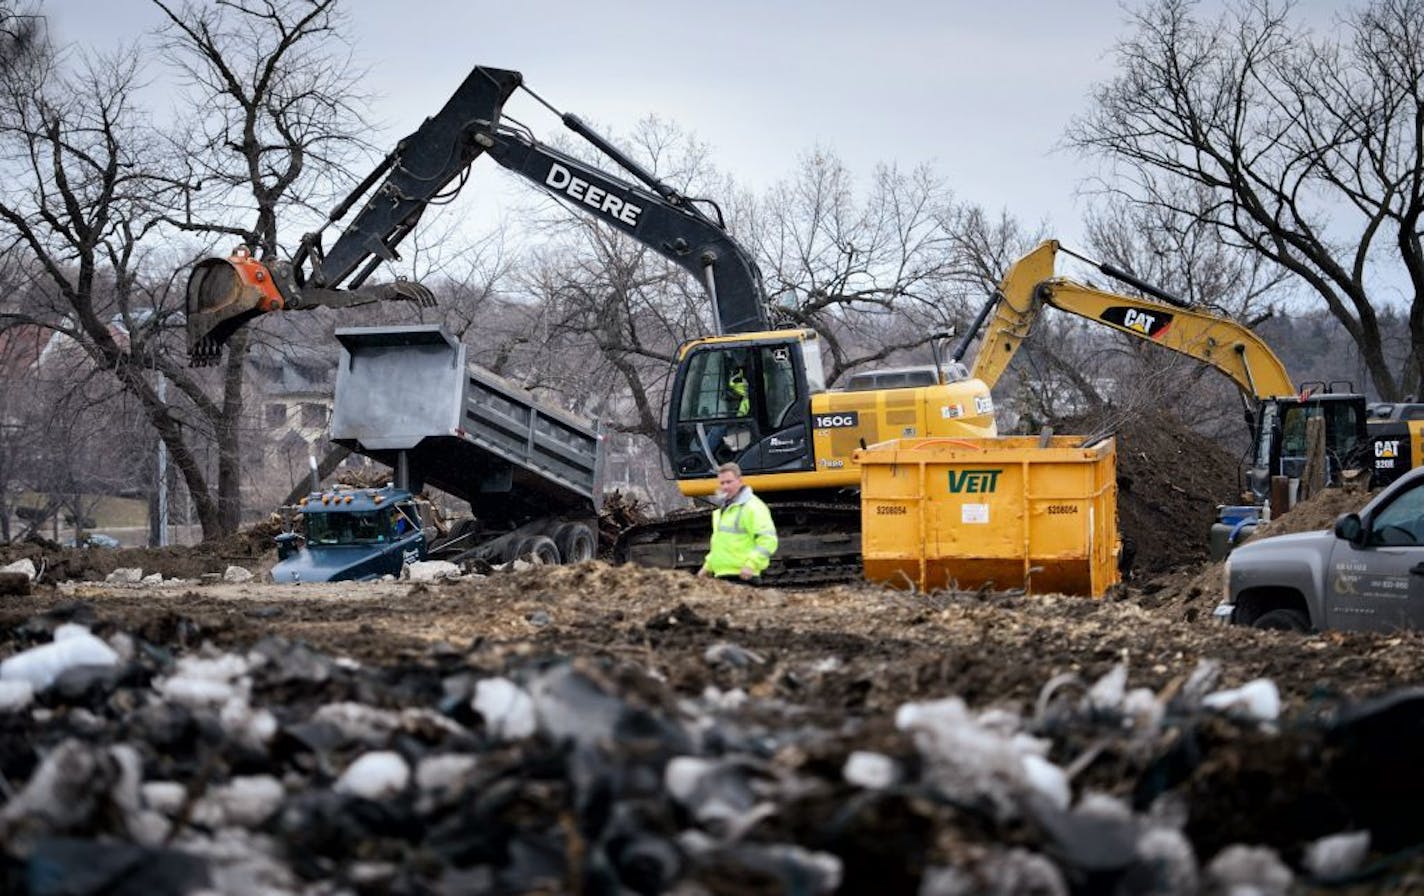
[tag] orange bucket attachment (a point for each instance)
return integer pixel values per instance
(223, 294)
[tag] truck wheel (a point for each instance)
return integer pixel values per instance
(1283, 620)
(575, 542)
(539, 549)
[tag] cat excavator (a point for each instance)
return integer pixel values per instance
(748, 393)
(1277, 409)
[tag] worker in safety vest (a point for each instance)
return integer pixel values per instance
(737, 385)
(743, 535)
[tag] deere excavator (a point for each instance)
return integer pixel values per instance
(748, 393)
(1277, 409)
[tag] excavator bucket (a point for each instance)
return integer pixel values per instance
(223, 294)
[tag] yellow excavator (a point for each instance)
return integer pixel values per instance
(1279, 408)
(750, 393)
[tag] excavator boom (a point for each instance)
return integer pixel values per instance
(225, 293)
(1220, 342)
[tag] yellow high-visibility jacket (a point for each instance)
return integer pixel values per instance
(738, 387)
(743, 535)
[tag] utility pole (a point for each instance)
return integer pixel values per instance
(162, 470)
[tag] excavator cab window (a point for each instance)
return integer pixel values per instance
(778, 384)
(1343, 428)
(717, 385)
(731, 399)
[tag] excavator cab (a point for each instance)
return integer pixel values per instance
(790, 435)
(1281, 443)
(744, 398)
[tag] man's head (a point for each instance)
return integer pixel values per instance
(729, 480)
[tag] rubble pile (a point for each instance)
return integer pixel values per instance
(1170, 480)
(151, 759)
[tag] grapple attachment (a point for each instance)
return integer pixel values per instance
(223, 294)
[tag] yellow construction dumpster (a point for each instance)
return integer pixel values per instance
(1012, 512)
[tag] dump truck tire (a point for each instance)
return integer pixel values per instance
(539, 549)
(576, 542)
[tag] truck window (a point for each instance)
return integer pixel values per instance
(366, 527)
(405, 518)
(1401, 522)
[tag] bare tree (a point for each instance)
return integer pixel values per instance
(81, 187)
(1307, 148)
(274, 119)
(851, 267)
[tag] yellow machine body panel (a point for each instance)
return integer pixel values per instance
(843, 422)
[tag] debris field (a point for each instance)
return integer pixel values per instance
(609, 729)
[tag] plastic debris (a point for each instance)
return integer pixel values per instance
(1336, 856)
(375, 776)
(73, 646)
(1257, 700)
(73, 867)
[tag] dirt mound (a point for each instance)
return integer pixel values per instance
(1190, 594)
(1315, 513)
(1170, 481)
(252, 548)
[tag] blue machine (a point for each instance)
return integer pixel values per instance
(352, 535)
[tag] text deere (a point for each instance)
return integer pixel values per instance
(596, 198)
(973, 481)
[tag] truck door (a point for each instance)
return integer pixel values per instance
(407, 533)
(1380, 586)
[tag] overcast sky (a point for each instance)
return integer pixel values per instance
(982, 91)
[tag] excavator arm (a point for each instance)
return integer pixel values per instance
(225, 293)
(1029, 286)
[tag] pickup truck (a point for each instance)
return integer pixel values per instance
(1366, 573)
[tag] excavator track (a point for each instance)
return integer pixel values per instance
(819, 543)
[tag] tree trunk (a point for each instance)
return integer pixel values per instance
(229, 435)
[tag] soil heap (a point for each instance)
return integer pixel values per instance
(1170, 481)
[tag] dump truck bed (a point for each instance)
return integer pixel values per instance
(464, 430)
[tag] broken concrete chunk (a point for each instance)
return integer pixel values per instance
(25, 566)
(431, 571)
(16, 583)
(1256, 870)
(125, 575)
(508, 710)
(237, 574)
(1257, 700)
(15, 695)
